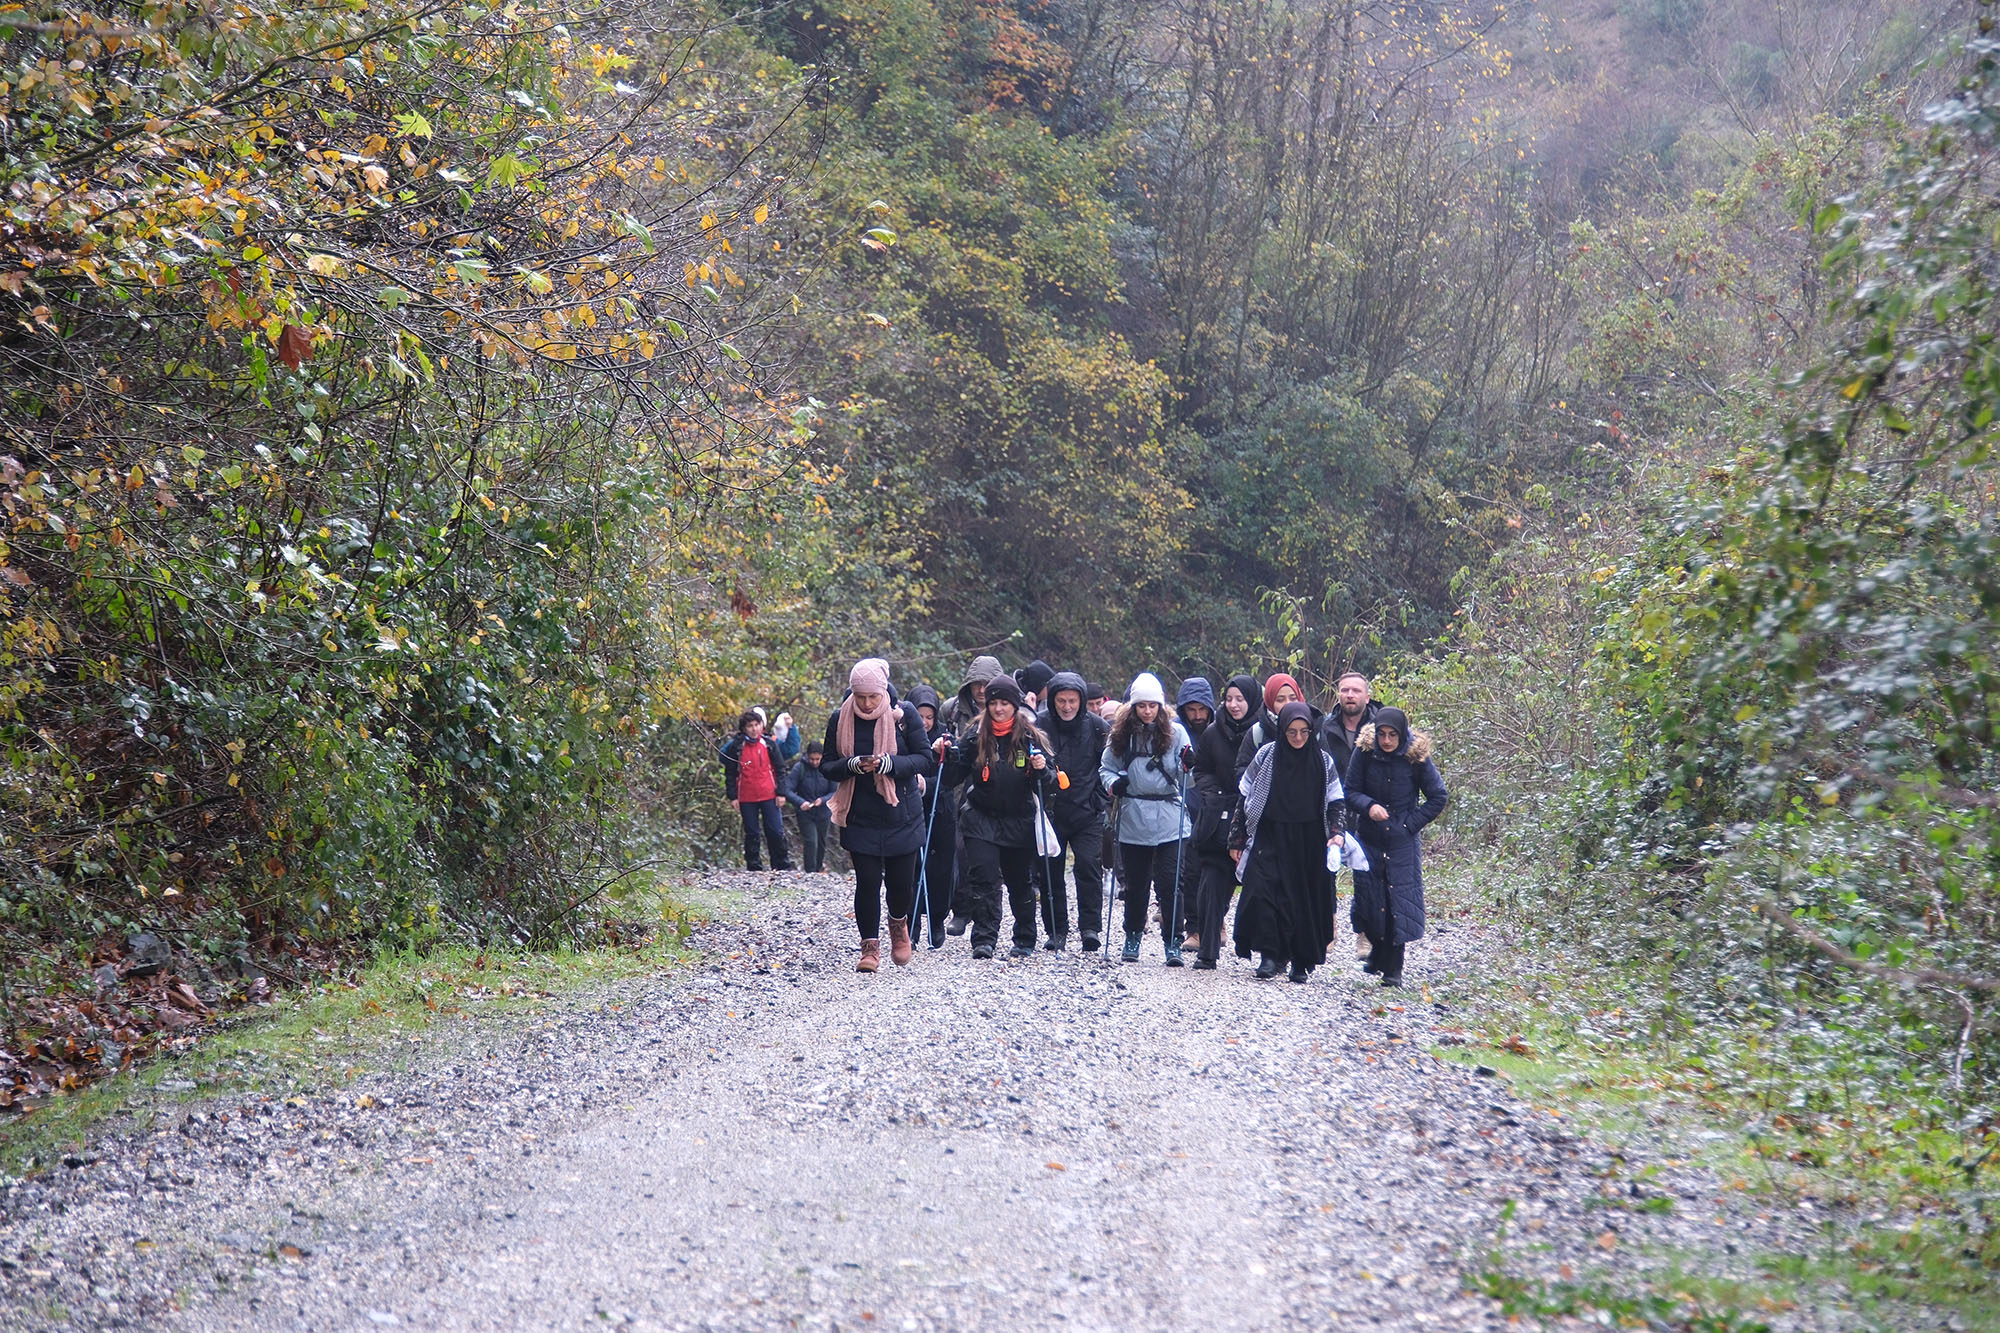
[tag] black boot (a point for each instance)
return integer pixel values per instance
(1269, 967)
(1300, 972)
(1057, 942)
(1092, 941)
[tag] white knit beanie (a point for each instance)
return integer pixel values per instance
(1146, 689)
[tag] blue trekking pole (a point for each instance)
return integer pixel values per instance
(924, 859)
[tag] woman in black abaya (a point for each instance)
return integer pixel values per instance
(1293, 811)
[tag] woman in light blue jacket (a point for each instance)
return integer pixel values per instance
(1143, 766)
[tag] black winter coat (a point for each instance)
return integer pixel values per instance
(1079, 748)
(1333, 736)
(1215, 779)
(1389, 902)
(1000, 800)
(874, 827)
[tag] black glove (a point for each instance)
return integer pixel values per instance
(1119, 784)
(1187, 756)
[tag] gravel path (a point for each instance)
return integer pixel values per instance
(773, 1141)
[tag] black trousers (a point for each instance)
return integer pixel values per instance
(766, 815)
(1215, 886)
(1087, 846)
(1155, 867)
(814, 825)
(987, 864)
(1388, 958)
(869, 874)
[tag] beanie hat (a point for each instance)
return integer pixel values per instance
(1271, 691)
(1034, 677)
(1146, 689)
(1003, 687)
(1093, 692)
(870, 676)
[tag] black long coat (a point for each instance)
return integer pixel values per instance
(874, 827)
(1389, 903)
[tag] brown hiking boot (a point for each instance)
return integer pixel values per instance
(899, 941)
(871, 956)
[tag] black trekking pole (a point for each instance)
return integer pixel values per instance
(1183, 827)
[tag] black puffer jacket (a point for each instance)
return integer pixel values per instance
(999, 798)
(1077, 747)
(874, 827)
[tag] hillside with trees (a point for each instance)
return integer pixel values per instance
(425, 423)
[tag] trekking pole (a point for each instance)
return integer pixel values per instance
(1048, 886)
(1183, 827)
(924, 857)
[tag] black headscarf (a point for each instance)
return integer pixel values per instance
(1298, 777)
(1234, 730)
(1394, 720)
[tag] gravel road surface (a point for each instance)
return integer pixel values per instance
(772, 1141)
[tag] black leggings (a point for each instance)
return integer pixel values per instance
(869, 872)
(1154, 867)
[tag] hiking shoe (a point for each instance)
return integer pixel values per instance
(1092, 941)
(982, 951)
(1174, 954)
(1131, 950)
(1022, 950)
(1057, 942)
(1204, 965)
(1269, 967)
(958, 925)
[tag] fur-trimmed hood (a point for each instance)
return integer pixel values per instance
(1417, 747)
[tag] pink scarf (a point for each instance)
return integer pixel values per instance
(870, 676)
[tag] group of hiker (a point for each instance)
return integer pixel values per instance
(950, 808)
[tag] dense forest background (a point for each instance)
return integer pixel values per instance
(425, 423)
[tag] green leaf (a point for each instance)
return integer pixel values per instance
(413, 124)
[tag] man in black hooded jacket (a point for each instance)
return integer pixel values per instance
(1076, 811)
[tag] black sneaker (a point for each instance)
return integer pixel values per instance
(982, 951)
(1092, 941)
(1022, 950)
(1057, 942)
(958, 925)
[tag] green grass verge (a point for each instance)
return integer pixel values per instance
(1575, 1041)
(379, 1018)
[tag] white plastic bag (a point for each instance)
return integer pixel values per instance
(1349, 854)
(1046, 842)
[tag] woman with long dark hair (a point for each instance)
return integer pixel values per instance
(1001, 765)
(1293, 812)
(1142, 769)
(875, 751)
